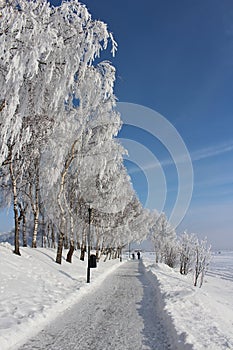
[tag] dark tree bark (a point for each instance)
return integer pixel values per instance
(15, 203)
(23, 209)
(59, 248)
(70, 253)
(53, 237)
(82, 254)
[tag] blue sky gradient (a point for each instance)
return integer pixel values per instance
(176, 57)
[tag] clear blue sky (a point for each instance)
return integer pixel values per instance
(176, 57)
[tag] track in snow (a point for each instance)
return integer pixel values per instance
(122, 314)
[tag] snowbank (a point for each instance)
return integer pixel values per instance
(35, 290)
(201, 316)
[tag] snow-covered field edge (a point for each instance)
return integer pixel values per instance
(177, 339)
(35, 290)
(199, 318)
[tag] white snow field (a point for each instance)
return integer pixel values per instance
(203, 316)
(128, 305)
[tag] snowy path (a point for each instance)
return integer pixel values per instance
(122, 314)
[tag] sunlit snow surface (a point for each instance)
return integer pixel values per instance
(34, 290)
(222, 265)
(204, 316)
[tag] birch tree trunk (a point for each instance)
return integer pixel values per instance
(78, 245)
(53, 236)
(23, 209)
(35, 228)
(66, 239)
(71, 250)
(83, 245)
(83, 250)
(15, 204)
(16, 217)
(97, 244)
(59, 248)
(25, 243)
(43, 236)
(196, 270)
(78, 240)
(36, 210)
(59, 200)
(48, 236)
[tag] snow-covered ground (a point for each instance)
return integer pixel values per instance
(203, 316)
(122, 314)
(35, 290)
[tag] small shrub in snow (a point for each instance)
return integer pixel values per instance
(202, 259)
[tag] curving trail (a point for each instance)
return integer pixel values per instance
(124, 313)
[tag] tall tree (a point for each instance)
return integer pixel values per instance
(43, 51)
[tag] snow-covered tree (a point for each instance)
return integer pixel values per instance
(202, 259)
(12, 170)
(170, 252)
(92, 139)
(163, 236)
(58, 125)
(45, 52)
(43, 49)
(186, 244)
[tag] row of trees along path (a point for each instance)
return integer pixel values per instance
(58, 124)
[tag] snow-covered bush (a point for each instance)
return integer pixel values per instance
(163, 236)
(202, 259)
(186, 244)
(195, 255)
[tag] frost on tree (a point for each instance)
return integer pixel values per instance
(43, 52)
(202, 260)
(186, 252)
(97, 159)
(58, 126)
(163, 236)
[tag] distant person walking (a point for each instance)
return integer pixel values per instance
(138, 254)
(133, 256)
